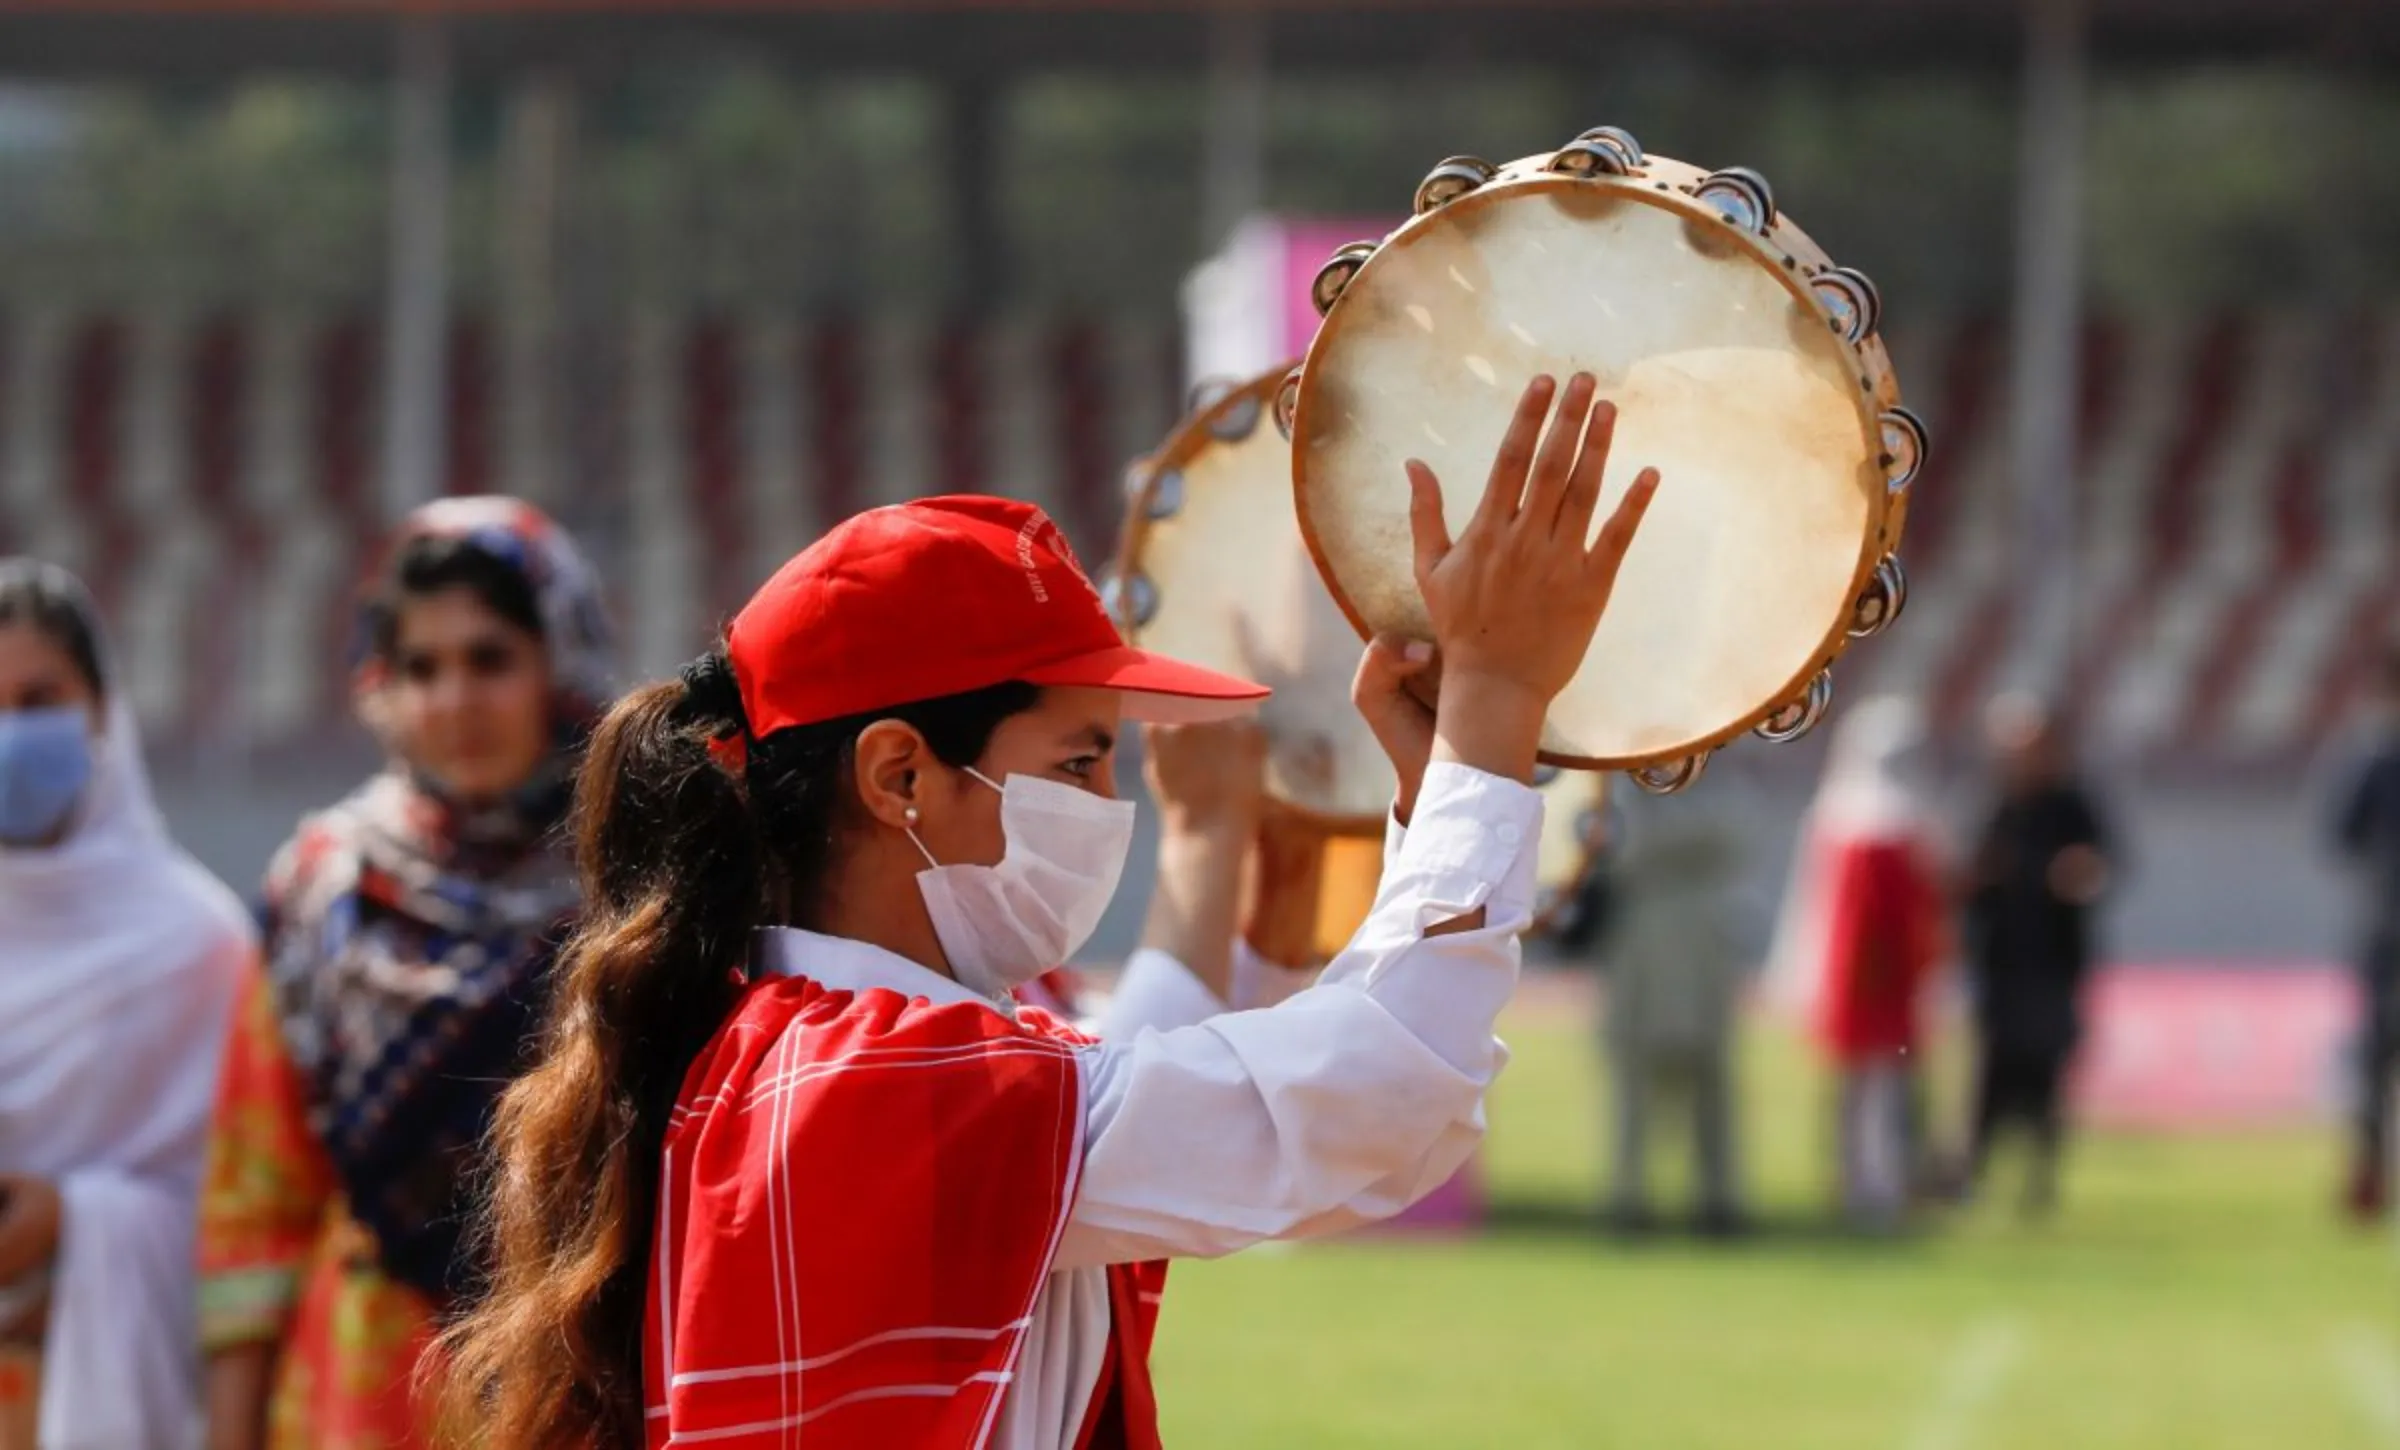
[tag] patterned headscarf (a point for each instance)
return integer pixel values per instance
(565, 589)
(410, 936)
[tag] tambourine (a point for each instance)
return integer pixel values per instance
(1210, 567)
(1746, 369)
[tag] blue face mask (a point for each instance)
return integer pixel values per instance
(45, 763)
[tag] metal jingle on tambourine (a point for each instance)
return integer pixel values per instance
(1741, 196)
(1800, 714)
(1206, 394)
(1544, 773)
(1854, 301)
(1287, 402)
(1881, 601)
(1592, 154)
(1905, 444)
(1335, 275)
(1670, 776)
(1619, 140)
(1131, 599)
(1237, 420)
(1164, 497)
(1451, 180)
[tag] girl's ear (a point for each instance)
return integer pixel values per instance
(886, 764)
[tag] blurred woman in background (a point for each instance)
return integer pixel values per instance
(2039, 873)
(1675, 961)
(409, 934)
(119, 958)
(1863, 929)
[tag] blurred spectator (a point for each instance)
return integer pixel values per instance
(1861, 934)
(119, 958)
(2040, 866)
(1577, 919)
(1674, 955)
(410, 930)
(2367, 829)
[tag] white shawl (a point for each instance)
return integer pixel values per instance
(119, 959)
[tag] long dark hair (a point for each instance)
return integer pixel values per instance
(682, 858)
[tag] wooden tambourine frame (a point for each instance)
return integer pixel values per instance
(1193, 436)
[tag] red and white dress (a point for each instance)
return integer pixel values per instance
(897, 1214)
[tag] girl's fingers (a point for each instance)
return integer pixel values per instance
(1505, 489)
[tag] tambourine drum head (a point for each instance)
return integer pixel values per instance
(1236, 590)
(1728, 382)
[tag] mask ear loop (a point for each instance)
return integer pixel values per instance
(911, 817)
(911, 829)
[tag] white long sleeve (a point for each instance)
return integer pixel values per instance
(1157, 992)
(1154, 990)
(1341, 1105)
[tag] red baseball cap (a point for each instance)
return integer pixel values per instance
(942, 596)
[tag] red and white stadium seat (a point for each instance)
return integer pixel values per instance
(213, 475)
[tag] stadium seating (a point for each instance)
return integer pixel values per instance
(216, 477)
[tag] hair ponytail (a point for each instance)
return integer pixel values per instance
(689, 836)
(675, 880)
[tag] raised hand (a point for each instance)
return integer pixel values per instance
(1396, 712)
(1515, 598)
(1210, 785)
(1207, 777)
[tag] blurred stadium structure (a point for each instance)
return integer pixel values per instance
(704, 276)
(2240, 541)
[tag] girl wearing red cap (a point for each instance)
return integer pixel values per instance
(797, 1167)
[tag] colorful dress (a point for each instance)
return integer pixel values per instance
(408, 946)
(283, 1259)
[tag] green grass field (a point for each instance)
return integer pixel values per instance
(2194, 1293)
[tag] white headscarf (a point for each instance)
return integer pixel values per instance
(119, 960)
(1875, 790)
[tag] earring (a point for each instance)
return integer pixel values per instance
(910, 815)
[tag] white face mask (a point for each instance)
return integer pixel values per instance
(1002, 926)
